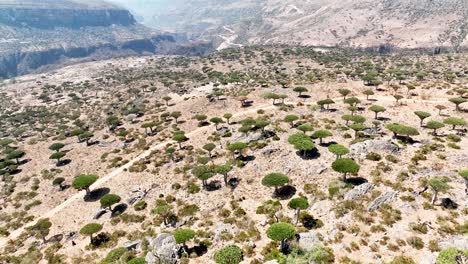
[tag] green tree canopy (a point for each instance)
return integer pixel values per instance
(83, 182)
(321, 134)
(345, 166)
(203, 172)
(42, 228)
(338, 150)
(90, 229)
(305, 127)
(290, 119)
(454, 122)
(422, 115)
(301, 142)
(377, 109)
(300, 90)
(108, 200)
(298, 204)
(183, 235)
(275, 180)
(56, 146)
(281, 232)
(434, 125)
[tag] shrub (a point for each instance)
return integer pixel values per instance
(415, 242)
(373, 156)
(229, 255)
(140, 205)
(115, 254)
(449, 255)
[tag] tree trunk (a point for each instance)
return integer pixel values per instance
(434, 197)
(298, 211)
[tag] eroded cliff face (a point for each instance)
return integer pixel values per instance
(68, 18)
(38, 33)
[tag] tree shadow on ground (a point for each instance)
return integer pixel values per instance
(247, 104)
(309, 155)
(247, 158)
(95, 195)
(285, 192)
(355, 181)
(310, 222)
(119, 209)
(100, 239)
(213, 186)
(199, 250)
(233, 183)
(304, 96)
(63, 162)
(24, 161)
(96, 142)
(327, 144)
(408, 140)
(383, 119)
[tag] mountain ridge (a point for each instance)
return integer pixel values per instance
(348, 23)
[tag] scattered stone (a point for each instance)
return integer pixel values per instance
(384, 198)
(272, 262)
(307, 241)
(321, 170)
(71, 235)
(99, 213)
(222, 131)
(132, 245)
(359, 191)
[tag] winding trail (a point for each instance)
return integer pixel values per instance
(79, 196)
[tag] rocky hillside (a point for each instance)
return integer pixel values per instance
(356, 23)
(38, 33)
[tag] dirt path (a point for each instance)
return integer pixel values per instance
(79, 196)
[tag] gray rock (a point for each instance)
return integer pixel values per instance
(134, 199)
(222, 130)
(379, 145)
(272, 262)
(458, 241)
(71, 235)
(268, 151)
(99, 213)
(307, 241)
(132, 245)
(150, 258)
(163, 247)
(434, 173)
(359, 191)
(384, 198)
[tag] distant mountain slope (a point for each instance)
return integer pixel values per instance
(37, 33)
(357, 23)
